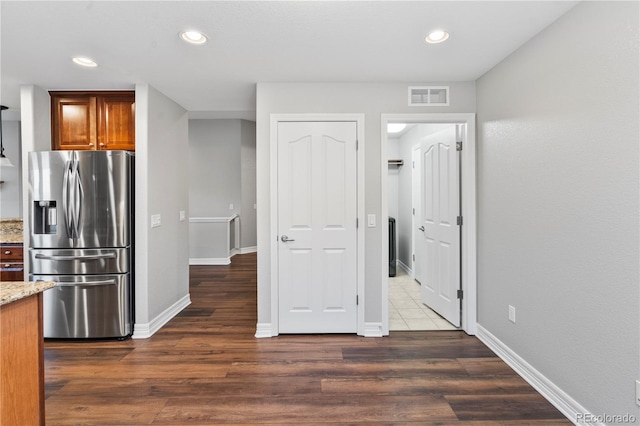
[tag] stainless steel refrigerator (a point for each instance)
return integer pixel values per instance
(81, 208)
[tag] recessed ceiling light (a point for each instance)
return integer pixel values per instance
(437, 36)
(395, 127)
(85, 62)
(193, 37)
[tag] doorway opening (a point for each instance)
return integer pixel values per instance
(424, 149)
(409, 304)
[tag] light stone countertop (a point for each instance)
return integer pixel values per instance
(11, 291)
(11, 231)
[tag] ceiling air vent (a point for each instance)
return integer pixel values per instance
(428, 95)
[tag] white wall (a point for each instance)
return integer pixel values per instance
(393, 177)
(11, 188)
(35, 128)
(558, 199)
(370, 99)
(162, 187)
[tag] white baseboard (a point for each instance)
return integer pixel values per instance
(556, 396)
(373, 329)
(146, 330)
(404, 267)
(210, 261)
(263, 329)
(221, 260)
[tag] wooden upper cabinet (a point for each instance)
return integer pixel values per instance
(93, 120)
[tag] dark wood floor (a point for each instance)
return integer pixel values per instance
(206, 367)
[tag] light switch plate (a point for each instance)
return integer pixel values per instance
(155, 220)
(371, 221)
(183, 215)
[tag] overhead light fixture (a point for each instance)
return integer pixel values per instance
(437, 36)
(193, 37)
(395, 127)
(85, 62)
(4, 161)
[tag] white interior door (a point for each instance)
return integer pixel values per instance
(317, 235)
(441, 234)
(417, 239)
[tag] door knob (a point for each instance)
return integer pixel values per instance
(285, 239)
(421, 228)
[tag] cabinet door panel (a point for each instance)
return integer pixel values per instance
(116, 122)
(74, 127)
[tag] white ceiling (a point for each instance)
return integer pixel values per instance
(255, 41)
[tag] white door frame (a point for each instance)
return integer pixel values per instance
(468, 257)
(273, 181)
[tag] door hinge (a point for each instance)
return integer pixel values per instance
(459, 220)
(460, 294)
(357, 300)
(357, 222)
(414, 257)
(356, 144)
(414, 211)
(458, 146)
(414, 164)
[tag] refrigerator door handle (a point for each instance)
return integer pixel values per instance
(86, 283)
(78, 199)
(94, 257)
(66, 195)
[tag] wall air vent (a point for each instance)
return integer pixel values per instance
(428, 95)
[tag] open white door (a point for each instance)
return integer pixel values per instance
(317, 235)
(441, 232)
(418, 242)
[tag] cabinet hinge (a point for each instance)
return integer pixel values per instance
(458, 146)
(357, 222)
(459, 220)
(414, 257)
(460, 294)
(356, 144)
(357, 300)
(413, 164)
(414, 211)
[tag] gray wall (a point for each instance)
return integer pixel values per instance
(162, 187)
(558, 187)
(222, 157)
(248, 185)
(370, 99)
(11, 189)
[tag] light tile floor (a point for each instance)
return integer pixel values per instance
(406, 311)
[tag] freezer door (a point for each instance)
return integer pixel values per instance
(79, 261)
(92, 306)
(80, 199)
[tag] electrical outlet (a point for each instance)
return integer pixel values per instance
(512, 314)
(230, 206)
(155, 220)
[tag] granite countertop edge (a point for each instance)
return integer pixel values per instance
(11, 231)
(11, 291)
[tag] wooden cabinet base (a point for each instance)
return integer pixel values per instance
(22, 362)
